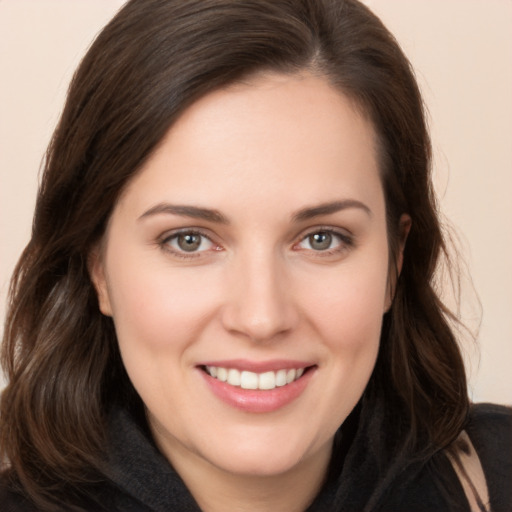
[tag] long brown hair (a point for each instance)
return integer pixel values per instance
(154, 59)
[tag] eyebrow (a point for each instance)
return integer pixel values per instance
(194, 212)
(329, 208)
(215, 216)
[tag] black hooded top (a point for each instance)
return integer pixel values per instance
(365, 473)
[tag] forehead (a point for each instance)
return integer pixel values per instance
(290, 137)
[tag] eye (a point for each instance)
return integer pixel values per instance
(188, 242)
(325, 240)
(320, 241)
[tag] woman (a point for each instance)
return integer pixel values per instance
(227, 300)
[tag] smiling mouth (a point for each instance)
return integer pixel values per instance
(250, 380)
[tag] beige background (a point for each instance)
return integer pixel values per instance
(462, 52)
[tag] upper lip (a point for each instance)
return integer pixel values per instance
(258, 366)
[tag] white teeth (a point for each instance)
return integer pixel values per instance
(233, 377)
(290, 376)
(251, 380)
(267, 380)
(281, 378)
(222, 374)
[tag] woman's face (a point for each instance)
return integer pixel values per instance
(251, 247)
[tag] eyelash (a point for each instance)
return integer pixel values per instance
(164, 243)
(345, 242)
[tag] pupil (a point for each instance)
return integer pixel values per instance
(189, 242)
(320, 241)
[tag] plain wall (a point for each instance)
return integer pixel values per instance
(462, 53)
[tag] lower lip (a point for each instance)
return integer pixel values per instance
(255, 400)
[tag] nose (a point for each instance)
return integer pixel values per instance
(260, 305)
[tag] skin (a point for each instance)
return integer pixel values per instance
(257, 288)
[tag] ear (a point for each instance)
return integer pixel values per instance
(96, 268)
(404, 227)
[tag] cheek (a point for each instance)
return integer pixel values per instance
(349, 308)
(157, 308)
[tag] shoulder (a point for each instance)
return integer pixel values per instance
(492, 414)
(490, 430)
(434, 485)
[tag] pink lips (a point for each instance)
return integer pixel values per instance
(258, 401)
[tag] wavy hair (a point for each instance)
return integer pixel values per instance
(153, 60)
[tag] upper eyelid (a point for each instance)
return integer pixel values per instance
(167, 235)
(346, 240)
(164, 244)
(344, 233)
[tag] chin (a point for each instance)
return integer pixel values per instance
(265, 458)
(260, 465)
